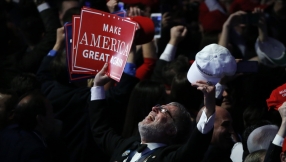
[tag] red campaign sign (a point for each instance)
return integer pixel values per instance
(75, 29)
(73, 77)
(102, 38)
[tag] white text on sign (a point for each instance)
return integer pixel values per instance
(111, 29)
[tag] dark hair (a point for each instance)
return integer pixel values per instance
(181, 64)
(183, 92)
(26, 112)
(144, 96)
(209, 38)
(254, 113)
(183, 124)
(69, 13)
(24, 83)
(247, 132)
(32, 28)
(11, 103)
(256, 156)
(274, 117)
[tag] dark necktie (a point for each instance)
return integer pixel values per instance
(135, 147)
(141, 147)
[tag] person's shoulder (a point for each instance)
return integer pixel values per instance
(20, 145)
(20, 137)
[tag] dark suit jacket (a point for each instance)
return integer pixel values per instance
(17, 145)
(215, 154)
(70, 105)
(115, 145)
(273, 153)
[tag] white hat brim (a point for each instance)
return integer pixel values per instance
(195, 75)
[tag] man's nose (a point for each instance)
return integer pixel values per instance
(155, 109)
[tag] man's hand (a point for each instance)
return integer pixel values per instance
(166, 19)
(135, 11)
(209, 95)
(282, 111)
(101, 78)
(60, 39)
(262, 26)
(234, 19)
(111, 4)
(178, 33)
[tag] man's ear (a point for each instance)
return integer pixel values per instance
(282, 157)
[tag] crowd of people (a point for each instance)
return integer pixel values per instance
(162, 109)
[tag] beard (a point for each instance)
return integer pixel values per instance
(151, 132)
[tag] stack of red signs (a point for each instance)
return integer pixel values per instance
(98, 38)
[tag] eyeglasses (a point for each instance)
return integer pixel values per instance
(163, 110)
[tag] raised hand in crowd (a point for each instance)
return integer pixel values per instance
(282, 112)
(209, 95)
(233, 20)
(166, 19)
(111, 4)
(101, 78)
(60, 39)
(282, 130)
(262, 26)
(135, 11)
(178, 33)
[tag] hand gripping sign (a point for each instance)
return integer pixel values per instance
(101, 38)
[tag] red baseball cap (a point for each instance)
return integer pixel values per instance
(277, 97)
(146, 31)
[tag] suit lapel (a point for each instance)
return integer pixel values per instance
(124, 152)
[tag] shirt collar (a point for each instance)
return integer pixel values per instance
(152, 146)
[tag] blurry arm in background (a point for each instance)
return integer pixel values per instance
(178, 33)
(43, 72)
(148, 50)
(262, 26)
(233, 20)
(149, 61)
(111, 4)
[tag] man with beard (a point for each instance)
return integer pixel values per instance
(165, 134)
(221, 143)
